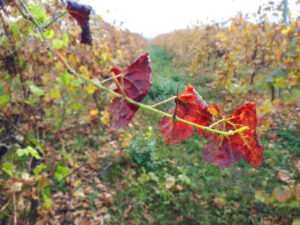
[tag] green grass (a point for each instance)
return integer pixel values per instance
(202, 194)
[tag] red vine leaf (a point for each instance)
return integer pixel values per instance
(2, 3)
(175, 131)
(224, 151)
(136, 82)
(82, 15)
(86, 34)
(122, 112)
(215, 111)
(191, 107)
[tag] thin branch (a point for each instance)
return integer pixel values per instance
(163, 102)
(63, 111)
(109, 79)
(54, 20)
(3, 145)
(30, 162)
(5, 205)
(219, 121)
(15, 209)
(118, 83)
(16, 128)
(176, 102)
(235, 127)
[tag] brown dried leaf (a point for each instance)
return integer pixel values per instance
(13, 187)
(283, 175)
(127, 211)
(282, 193)
(297, 164)
(148, 217)
(179, 219)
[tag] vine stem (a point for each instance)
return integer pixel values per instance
(150, 108)
(118, 83)
(111, 78)
(55, 19)
(147, 107)
(219, 121)
(15, 209)
(164, 101)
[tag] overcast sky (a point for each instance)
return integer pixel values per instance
(154, 17)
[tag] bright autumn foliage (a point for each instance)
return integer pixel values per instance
(136, 82)
(82, 15)
(190, 106)
(221, 151)
(224, 151)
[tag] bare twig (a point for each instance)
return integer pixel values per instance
(118, 83)
(163, 102)
(5, 205)
(55, 19)
(109, 79)
(16, 128)
(15, 209)
(63, 111)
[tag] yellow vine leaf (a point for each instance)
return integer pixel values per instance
(96, 53)
(55, 93)
(286, 30)
(104, 56)
(267, 107)
(94, 112)
(282, 193)
(105, 118)
(91, 89)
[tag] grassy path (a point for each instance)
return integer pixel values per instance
(175, 186)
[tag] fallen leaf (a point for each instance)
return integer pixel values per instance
(283, 175)
(148, 217)
(297, 165)
(127, 211)
(282, 193)
(179, 219)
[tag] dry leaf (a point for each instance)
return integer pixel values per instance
(179, 219)
(283, 175)
(148, 217)
(127, 211)
(14, 187)
(298, 165)
(282, 193)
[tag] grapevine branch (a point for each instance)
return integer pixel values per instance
(54, 20)
(163, 102)
(111, 78)
(30, 17)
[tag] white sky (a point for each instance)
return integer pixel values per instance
(153, 17)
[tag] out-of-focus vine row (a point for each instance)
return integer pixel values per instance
(27, 65)
(250, 56)
(41, 103)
